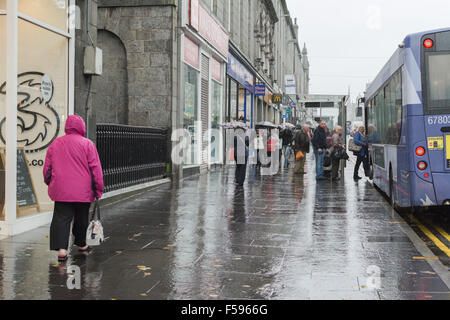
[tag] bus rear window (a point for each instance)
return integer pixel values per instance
(438, 83)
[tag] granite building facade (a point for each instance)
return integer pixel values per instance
(169, 64)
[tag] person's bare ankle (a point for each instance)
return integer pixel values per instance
(62, 252)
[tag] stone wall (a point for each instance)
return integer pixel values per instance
(111, 100)
(148, 36)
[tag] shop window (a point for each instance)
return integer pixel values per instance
(191, 115)
(216, 120)
(51, 12)
(248, 112)
(42, 107)
(241, 109)
(233, 100)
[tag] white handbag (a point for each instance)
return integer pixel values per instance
(94, 235)
(353, 147)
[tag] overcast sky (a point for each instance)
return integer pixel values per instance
(349, 41)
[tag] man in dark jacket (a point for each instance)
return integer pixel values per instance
(302, 141)
(286, 135)
(241, 153)
(319, 142)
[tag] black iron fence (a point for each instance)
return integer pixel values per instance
(131, 155)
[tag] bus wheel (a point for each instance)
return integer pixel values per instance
(391, 188)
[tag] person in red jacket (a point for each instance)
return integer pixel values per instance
(73, 173)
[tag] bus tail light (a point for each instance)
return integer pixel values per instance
(422, 165)
(420, 151)
(428, 43)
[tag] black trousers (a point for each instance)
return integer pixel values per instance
(365, 161)
(241, 173)
(335, 167)
(63, 215)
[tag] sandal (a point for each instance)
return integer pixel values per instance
(63, 259)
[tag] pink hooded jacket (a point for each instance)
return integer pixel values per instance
(72, 167)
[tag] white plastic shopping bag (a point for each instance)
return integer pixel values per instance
(94, 235)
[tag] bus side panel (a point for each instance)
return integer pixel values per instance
(403, 182)
(391, 162)
(380, 179)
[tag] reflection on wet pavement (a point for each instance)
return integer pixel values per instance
(279, 237)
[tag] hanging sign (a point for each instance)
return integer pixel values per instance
(260, 90)
(291, 88)
(277, 98)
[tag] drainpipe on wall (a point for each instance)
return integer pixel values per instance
(177, 104)
(87, 108)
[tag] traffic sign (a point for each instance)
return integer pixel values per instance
(284, 116)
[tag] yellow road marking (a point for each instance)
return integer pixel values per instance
(431, 236)
(440, 230)
(424, 258)
(444, 234)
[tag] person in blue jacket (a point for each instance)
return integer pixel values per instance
(360, 139)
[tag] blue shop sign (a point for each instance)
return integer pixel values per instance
(260, 90)
(240, 73)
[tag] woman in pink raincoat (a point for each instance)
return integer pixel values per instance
(74, 177)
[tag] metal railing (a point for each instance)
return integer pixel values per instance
(131, 155)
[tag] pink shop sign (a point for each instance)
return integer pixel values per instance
(193, 13)
(208, 27)
(216, 70)
(191, 52)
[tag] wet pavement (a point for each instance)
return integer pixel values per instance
(279, 237)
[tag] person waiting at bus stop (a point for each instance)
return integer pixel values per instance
(301, 143)
(286, 135)
(319, 143)
(360, 139)
(337, 146)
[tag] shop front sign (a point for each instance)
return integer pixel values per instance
(216, 70)
(202, 21)
(191, 53)
(240, 73)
